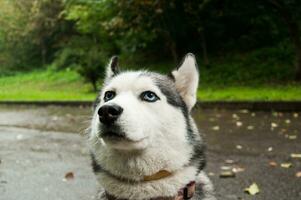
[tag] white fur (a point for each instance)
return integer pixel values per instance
(163, 139)
(166, 187)
(187, 80)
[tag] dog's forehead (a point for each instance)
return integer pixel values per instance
(139, 81)
(132, 81)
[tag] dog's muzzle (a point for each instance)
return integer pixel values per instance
(108, 114)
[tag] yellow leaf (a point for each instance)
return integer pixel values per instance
(253, 189)
(274, 125)
(273, 164)
(238, 123)
(292, 137)
(296, 155)
(286, 165)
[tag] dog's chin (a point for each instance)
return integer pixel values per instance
(124, 143)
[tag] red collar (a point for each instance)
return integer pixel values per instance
(183, 194)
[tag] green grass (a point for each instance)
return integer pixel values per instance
(255, 93)
(68, 85)
(45, 85)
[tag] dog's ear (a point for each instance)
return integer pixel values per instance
(186, 78)
(112, 68)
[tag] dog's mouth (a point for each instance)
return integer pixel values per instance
(113, 136)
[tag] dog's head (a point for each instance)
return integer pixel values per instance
(137, 109)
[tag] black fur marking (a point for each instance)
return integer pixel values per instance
(114, 65)
(95, 166)
(96, 102)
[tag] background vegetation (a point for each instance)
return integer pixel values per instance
(247, 50)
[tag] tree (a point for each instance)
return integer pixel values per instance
(31, 31)
(289, 12)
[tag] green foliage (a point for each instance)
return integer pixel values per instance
(240, 42)
(255, 68)
(30, 31)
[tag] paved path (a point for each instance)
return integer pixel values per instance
(34, 163)
(38, 147)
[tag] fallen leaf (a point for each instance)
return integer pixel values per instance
(252, 189)
(292, 137)
(273, 164)
(225, 168)
(298, 174)
(295, 155)
(229, 161)
(227, 174)
(274, 125)
(238, 169)
(235, 116)
(238, 147)
(238, 123)
(215, 128)
(286, 165)
(244, 111)
(69, 176)
(211, 174)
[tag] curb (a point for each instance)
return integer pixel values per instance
(47, 103)
(288, 106)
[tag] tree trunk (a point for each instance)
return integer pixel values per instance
(294, 32)
(204, 48)
(173, 50)
(172, 46)
(298, 67)
(94, 84)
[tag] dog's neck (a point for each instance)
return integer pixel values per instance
(127, 171)
(136, 165)
(184, 193)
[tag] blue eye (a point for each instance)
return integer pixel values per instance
(149, 96)
(109, 95)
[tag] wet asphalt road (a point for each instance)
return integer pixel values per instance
(40, 145)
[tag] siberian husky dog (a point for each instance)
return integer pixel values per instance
(144, 143)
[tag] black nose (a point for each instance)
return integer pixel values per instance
(109, 113)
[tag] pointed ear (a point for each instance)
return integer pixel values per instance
(186, 78)
(112, 68)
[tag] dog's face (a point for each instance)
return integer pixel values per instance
(137, 109)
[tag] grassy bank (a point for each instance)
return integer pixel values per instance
(68, 85)
(45, 85)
